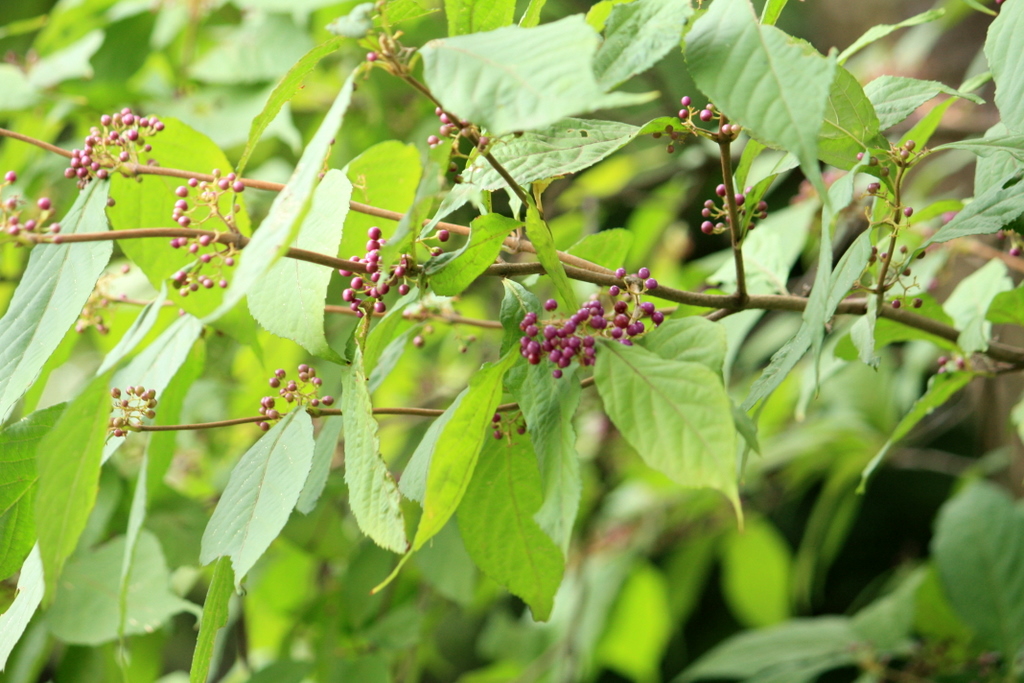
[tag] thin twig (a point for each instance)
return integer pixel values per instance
(725, 152)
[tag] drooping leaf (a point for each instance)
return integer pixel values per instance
(519, 78)
(68, 462)
(1006, 59)
(639, 625)
(775, 87)
(477, 16)
(215, 617)
(969, 302)
(323, 455)
(289, 299)
(979, 551)
(756, 568)
(18, 443)
(288, 210)
(566, 146)
(50, 295)
(283, 92)
(496, 519)
(453, 271)
(995, 208)
(14, 620)
(87, 609)
(136, 333)
(373, 493)
(897, 97)
(457, 447)
(676, 415)
(940, 389)
(636, 35)
(263, 488)
(694, 339)
(880, 31)
(540, 235)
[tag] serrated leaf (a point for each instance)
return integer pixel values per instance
(996, 207)
(991, 169)
(453, 271)
(263, 488)
(284, 92)
(373, 494)
(320, 469)
(289, 299)
(676, 415)
(288, 210)
(497, 525)
(477, 16)
(215, 617)
(519, 78)
(87, 609)
(694, 339)
(880, 31)
(968, 304)
(1012, 145)
(567, 146)
(68, 462)
(896, 97)
(940, 389)
(457, 448)
(1006, 59)
(49, 297)
(636, 35)
(140, 327)
(773, 85)
(14, 620)
(851, 124)
(544, 242)
(979, 551)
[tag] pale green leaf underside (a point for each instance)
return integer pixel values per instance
(636, 35)
(1006, 59)
(896, 97)
(452, 272)
(30, 593)
(995, 208)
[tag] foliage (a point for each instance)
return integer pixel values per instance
(369, 351)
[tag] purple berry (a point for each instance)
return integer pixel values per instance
(550, 305)
(651, 283)
(706, 115)
(620, 272)
(443, 235)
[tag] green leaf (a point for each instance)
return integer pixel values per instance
(289, 299)
(517, 302)
(991, 169)
(1007, 307)
(1012, 145)
(519, 78)
(851, 124)
(68, 461)
(49, 297)
(890, 332)
(941, 388)
(477, 16)
(373, 494)
(18, 92)
(215, 617)
(87, 608)
(457, 447)
(896, 97)
(540, 235)
(136, 333)
(639, 625)
(979, 551)
(675, 413)
(30, 593)
(263, 488)
(862, 334)
(564, 147)
(497, 525)
(1006, 59)
(284, 92)
(136, 516)
(989, 212)
(356, 24)
(72, 62)
(453, 271)
(397, 11)
(774, 86)
(796, 651)
(968, 304)
(880, 31)
(693, 339)
(320, 469)
(288, 211)
(259, 49)
(548, 406)
(772, 11)
(382, 334)
(18, 443)
(385, 176)
(531, 17)
(756, 569)
(636, 35)
(606, 248)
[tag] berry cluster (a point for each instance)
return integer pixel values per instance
(13, 224)
(302, 393)
(726, 131)
(503, 426)
(134, 405)
(373, 286)
(562, 341)
(899, 263)
(117, 141)
(953, 364)
(717, 217)
(452, 128)
(1016, 242)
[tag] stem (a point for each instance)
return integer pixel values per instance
(880, 288)
(725, 152)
